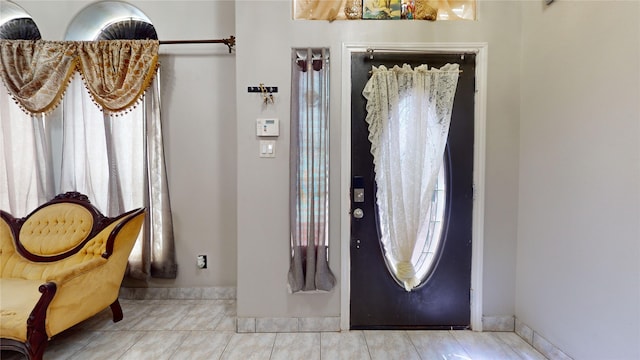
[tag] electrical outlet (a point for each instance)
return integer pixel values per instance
(202, 261)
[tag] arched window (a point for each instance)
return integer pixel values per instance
(111, 20)
(16, 23)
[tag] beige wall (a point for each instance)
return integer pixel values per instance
(578, 263)
(198, 113)
(562, 156)
(266, 35)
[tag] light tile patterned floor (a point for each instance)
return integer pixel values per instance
(205, 329)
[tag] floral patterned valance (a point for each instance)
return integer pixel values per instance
(116, 72)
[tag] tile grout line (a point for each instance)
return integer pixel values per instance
(273, 346)
(184, 338)
(514, 350)
(226, 346)
(413, 344)
(130, 346)
(366, 343)
(81, 348)
(464, 348)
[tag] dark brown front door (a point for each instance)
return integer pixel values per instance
(377, 301)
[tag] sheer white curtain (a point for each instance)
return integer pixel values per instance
(103, 157)
(26, 179)
(85, 165)
(118, 161)
(102, 153)
(408, 112)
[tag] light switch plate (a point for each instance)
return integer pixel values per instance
(267, 148)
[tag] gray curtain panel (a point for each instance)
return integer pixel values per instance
(309, 172)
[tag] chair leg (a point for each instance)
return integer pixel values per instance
(116, 309)
(36, 345)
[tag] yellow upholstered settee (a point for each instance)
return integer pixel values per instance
(60, 265)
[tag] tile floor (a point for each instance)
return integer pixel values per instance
(205, 329)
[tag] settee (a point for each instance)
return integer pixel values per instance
(60, 265)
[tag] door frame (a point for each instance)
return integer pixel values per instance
(480, 118)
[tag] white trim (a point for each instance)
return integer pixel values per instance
(165, 293)
(504, 323)
(287, 324)
(538, 342)
(477, 238)
(480, 49)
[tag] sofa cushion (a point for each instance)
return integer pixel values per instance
(18, 298)
(56, 229)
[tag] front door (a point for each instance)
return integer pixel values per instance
(442, 301)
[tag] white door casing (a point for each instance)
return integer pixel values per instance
(480, 50)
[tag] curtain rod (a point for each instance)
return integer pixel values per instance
(230, 42)
(370, 51)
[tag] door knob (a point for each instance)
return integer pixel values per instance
(358, 213)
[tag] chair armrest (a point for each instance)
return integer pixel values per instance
(74, 271)
(82, 292)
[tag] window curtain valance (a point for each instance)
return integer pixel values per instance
(115, 72)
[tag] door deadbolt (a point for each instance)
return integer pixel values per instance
(358, 195)
(357, 185)
(358, 213)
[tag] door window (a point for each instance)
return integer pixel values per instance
(428, 248)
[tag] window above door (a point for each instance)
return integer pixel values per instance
(431, 10)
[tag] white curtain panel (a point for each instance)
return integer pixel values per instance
(26, 176)
(85, 164)
(102, 154)
(118, 161)
(408, 113)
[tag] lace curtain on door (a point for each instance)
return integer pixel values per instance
(408, 113)
(112, 152)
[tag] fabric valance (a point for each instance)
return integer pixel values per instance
(115, 72)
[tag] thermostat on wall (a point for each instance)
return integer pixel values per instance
(267, 127)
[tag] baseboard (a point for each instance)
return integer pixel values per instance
(538, 342)
(498, 323)
(197, 293)
(290, 324)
